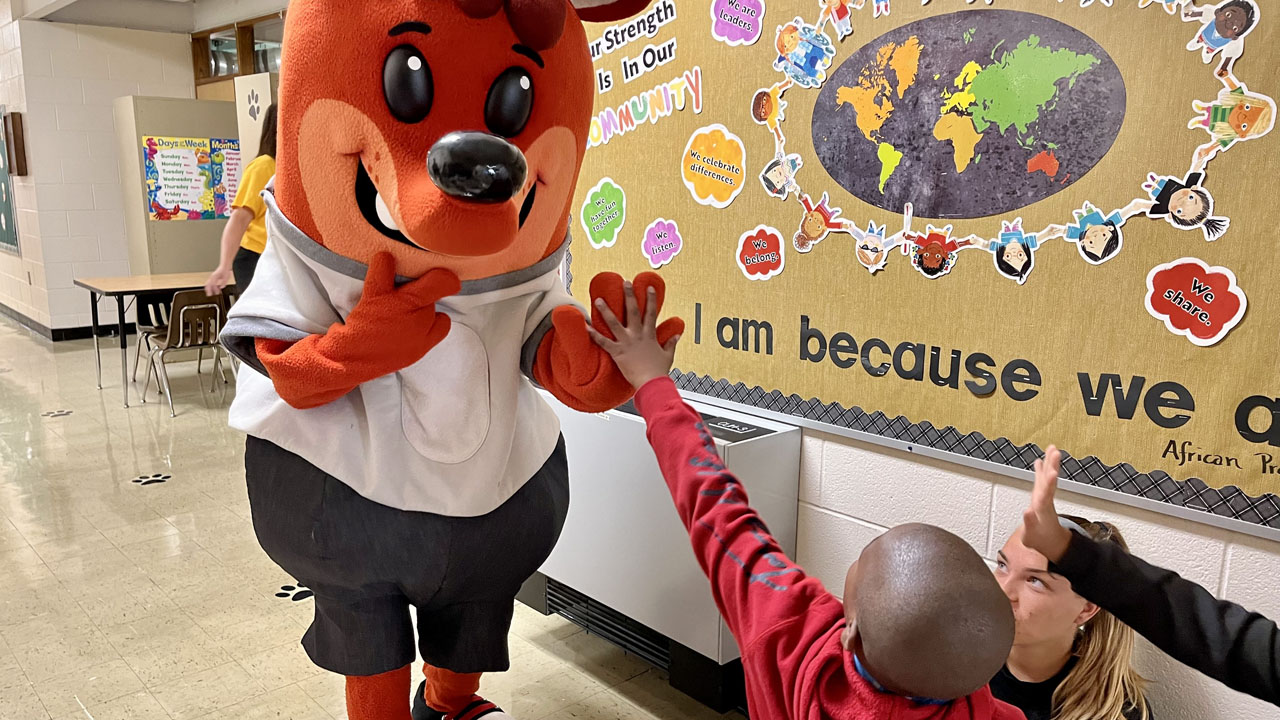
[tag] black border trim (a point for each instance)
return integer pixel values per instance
(1157, 485)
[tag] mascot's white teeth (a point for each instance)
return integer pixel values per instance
(384, 213)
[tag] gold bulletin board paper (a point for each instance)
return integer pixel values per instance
(1067, 353)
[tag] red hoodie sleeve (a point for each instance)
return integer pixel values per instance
(755, 585)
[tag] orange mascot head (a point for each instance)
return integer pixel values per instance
(448, 133)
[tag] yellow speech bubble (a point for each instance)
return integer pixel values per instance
(714, 166)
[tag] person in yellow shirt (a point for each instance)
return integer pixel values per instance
(245, 236)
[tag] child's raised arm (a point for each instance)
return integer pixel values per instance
(754, 584)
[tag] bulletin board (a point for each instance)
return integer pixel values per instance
(980, 228)
(190, 178)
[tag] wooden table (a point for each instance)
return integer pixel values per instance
(132, 285)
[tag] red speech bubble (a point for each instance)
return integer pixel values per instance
(1194, 300)
(760, 253)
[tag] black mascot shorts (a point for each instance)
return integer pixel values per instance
(368, 564)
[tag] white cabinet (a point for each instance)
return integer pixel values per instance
(623, 544)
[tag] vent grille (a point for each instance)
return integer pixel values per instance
(609, 624)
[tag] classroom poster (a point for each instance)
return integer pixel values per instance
(190, 178)
(983, 227)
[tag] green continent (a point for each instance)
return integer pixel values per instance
(1013, 91)
(889, 159)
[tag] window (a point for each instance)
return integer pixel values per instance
(248, 47)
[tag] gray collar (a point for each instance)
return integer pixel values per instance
(283, 229)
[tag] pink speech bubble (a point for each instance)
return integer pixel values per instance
(662, 242)
(737, 22)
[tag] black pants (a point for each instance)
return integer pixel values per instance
(369, 564)
(242, 267)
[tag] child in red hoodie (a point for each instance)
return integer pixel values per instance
(923, 625)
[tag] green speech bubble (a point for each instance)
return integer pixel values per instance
(603, 213)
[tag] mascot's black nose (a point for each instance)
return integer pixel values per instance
(477, 166)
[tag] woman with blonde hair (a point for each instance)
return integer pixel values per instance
(1070, 660)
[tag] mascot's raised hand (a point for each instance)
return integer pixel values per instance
(577, 371)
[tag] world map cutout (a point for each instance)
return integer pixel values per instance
(969, 114)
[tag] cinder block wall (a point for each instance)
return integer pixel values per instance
(851, 492)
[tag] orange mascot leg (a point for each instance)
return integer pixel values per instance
(448, 692)
(379, 697)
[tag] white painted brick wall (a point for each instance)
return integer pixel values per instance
(68, 76)
(850, 492)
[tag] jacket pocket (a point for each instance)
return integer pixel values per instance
(445, 411)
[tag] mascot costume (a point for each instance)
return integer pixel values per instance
(399, 457)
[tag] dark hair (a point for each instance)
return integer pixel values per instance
(758, 105)
(1206, 207)
(1112, 246)
(764, 177)
(1250, 12)
(931, 272)
(267, 142)
(1006, 269)
(1214, 226)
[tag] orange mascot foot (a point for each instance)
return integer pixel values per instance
(576, 370)
(379, 697)
(446, 695)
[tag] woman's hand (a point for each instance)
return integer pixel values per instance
(636, 350)
(1041, 530)
(218, 279)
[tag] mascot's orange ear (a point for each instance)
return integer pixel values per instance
(608, 10)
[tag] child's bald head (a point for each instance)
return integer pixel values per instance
(926, 616)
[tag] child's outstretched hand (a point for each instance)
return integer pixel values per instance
(1041, 530)
(635, 348)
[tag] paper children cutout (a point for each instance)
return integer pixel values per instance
(1237, 115)
(840, 15)
(881, 7)
(818, 222)
(1097, 236)
(1014, 251)
(872, 249)
(1185, 203)
(1170, 6)
(779, 176)
(804, 53)
(1223, 31)
(934, 252)
(769, 109)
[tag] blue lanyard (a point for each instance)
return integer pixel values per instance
(880, 688)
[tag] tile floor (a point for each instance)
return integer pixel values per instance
(132, 588)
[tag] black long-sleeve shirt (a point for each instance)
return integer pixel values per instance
(1237, 647)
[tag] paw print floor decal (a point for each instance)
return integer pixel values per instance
(295, 592)
(152, 479)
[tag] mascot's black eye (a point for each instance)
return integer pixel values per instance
(407, 84)
(510, 103)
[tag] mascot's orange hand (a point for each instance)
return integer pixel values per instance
(577, 371)
(389, 329)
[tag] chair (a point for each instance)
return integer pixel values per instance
(153, 319)
(195, 319)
